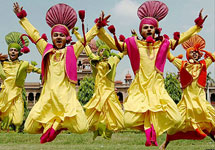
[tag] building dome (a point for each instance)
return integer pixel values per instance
(85, 61)
(128, 76)
(118, 82)
(92, 45)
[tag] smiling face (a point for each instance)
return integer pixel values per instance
(194, 55)
(13, 54)
(148, 30)
(59, 40)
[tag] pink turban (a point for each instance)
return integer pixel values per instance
(148, 20)
(62, 29)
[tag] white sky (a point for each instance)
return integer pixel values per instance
(181, 16)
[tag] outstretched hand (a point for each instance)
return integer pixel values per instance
(133, 32)
(102, 20)
(200, 20)
(16, 8)
(3, 57)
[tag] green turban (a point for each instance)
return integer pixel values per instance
(13, 40)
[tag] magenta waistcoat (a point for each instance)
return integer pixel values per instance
(70, 63)
(134, 55)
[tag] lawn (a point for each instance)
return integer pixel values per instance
(119, 141)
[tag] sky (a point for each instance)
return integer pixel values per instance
(180, 18)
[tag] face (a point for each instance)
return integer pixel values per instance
(13, 54)
(101, 52)
(59, 40)
(148, 30)
(194, 55)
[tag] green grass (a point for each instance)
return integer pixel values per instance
(119, 141)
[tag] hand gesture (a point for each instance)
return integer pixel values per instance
(3, 57)
(200, 20)
(133, 32)
(102, 20)
(16, 8)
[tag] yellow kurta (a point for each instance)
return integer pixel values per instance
(58, 106)
(11, 102)
(148, 103)
(196, 111)
(104, 107)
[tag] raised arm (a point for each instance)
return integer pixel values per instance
(104, 36)
(118, 57)
(193, 30)
(174, 60)
(32, 68)
(78, 46)
(29, 28)
(87, 49)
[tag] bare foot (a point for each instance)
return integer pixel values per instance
(164, 145)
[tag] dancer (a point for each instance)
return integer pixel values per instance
(13, 73)
(104, 111)
(198, 115)
(58, 107)
(148, 106)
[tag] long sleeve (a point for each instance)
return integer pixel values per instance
(34, 34)
(32, 68)
(87, 49)
(175, 61)
(119, 57)
(78, 46)
(104, 36)
(2, 73)
(209, 61)
(187, 35)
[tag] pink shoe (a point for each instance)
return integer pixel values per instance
(154, 137)
(148, 137)
(53, 134)
(44, 137)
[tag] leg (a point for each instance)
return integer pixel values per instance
(165, 143)
(212, 137)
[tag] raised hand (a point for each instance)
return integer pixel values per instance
(133, 32)
(200, 20)
(3, 57)
(16, 8)
(102, 20)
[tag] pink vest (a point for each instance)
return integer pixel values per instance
(70, 64)
(134, 56)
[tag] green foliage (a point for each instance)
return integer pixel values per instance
(172, 85)
(86, 89)
(209, 79)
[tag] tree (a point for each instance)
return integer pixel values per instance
(86, 89)
(209, 79)
(172, 85)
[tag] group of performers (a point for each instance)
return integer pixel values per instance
(148, 106)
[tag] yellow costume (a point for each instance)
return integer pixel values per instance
(148, 103)
(104, 107)
(58, 106)
(11, 101)
(197, 113)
